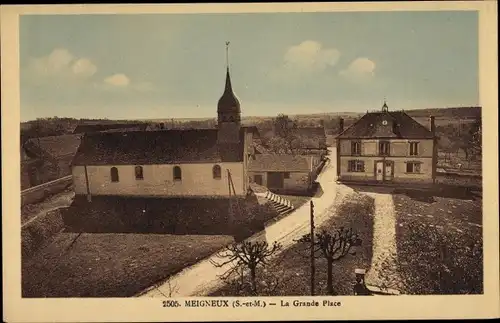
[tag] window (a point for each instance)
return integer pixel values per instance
(413, 167)
(413, 148)
(384, 148)
(355, 148)
(177, 173)
(357, 166)
(114, 174)
(286, 175)
(138, 173)
(216, 172)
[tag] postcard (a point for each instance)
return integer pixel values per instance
(250, 161)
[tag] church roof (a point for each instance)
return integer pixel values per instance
(386, 124)
(83, 128)
(228, 101)
(157, 147)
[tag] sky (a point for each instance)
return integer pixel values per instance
(155, 66)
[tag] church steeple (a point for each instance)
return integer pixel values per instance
(228, 103)
(228, 110)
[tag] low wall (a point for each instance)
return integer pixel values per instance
(455, 179)
(38, 232)
(40, 192)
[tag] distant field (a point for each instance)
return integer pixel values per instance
(443, 116)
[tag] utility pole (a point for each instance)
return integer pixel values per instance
(313, 269)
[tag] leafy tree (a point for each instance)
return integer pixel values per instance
(284, 127)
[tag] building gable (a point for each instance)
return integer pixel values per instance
(386, 124)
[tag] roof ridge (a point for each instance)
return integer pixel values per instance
(352, 125)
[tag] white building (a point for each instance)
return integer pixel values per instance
(168, 163)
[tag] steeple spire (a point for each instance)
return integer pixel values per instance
(228, 88)
(227, 54)
(228, 101)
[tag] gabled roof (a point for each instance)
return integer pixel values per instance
(387, 124)
(55, 146)
(85, 128)
(279, 163)
(157, 147)
(311, 131)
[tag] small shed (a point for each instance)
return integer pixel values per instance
(282, 173)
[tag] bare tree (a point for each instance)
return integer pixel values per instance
(172, 289)
(245, 256)
(333, 247)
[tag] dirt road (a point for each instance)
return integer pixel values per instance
(202, 278)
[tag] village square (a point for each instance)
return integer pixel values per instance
(383, 200)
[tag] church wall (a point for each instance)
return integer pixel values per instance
(197, 180)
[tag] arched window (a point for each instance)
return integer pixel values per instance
(114, 174)
(177, 173)
(139, 173)
(216, 172)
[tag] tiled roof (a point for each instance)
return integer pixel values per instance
(279, 163)
(156, 147)
(311, 131)
(85, 128)
(390, 124)
(56, 146)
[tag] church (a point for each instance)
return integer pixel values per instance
(172, 163)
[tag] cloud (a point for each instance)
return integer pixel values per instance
(84, 68)
(122, 81)
(118, 80)
(61, 63)
(360, 70)
(304, 60)
(311, 56)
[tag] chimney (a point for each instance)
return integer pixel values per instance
(341, 125)
(433, 126)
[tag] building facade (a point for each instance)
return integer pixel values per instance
(169, 163)
(387, 147)
(282, 173)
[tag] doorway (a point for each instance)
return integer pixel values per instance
(275, 180)
(389, 170)
(379, 171)
(384, 170)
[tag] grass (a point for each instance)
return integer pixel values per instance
(439, 245)
(292, 266)
(111, 265)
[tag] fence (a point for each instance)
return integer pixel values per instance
(40, 192)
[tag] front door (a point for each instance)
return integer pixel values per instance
(379, 171)
(275, 180)
(258, 179)
(388, 171)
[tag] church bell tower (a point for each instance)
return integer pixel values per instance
(228, 111)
